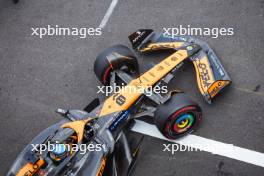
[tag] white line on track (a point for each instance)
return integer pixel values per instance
(230, 151)
(108, 13)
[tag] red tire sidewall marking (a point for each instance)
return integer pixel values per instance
(106, 74)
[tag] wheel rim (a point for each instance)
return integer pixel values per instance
(183, 123)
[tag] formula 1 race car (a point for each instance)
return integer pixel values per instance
(104, 128)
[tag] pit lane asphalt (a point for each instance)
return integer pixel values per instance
(39, 75)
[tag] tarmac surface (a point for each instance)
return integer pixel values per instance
(39, 75)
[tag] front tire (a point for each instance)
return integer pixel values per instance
(178, 116)
(114, 58)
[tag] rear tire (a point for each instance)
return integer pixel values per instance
(178, 116)
(114, 58)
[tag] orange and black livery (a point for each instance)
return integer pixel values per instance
(105, 127)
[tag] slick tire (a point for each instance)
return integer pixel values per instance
(114, 58)
(178, 116)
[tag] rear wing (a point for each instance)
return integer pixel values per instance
(211, 76)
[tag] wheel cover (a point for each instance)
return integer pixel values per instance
(183, 123)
